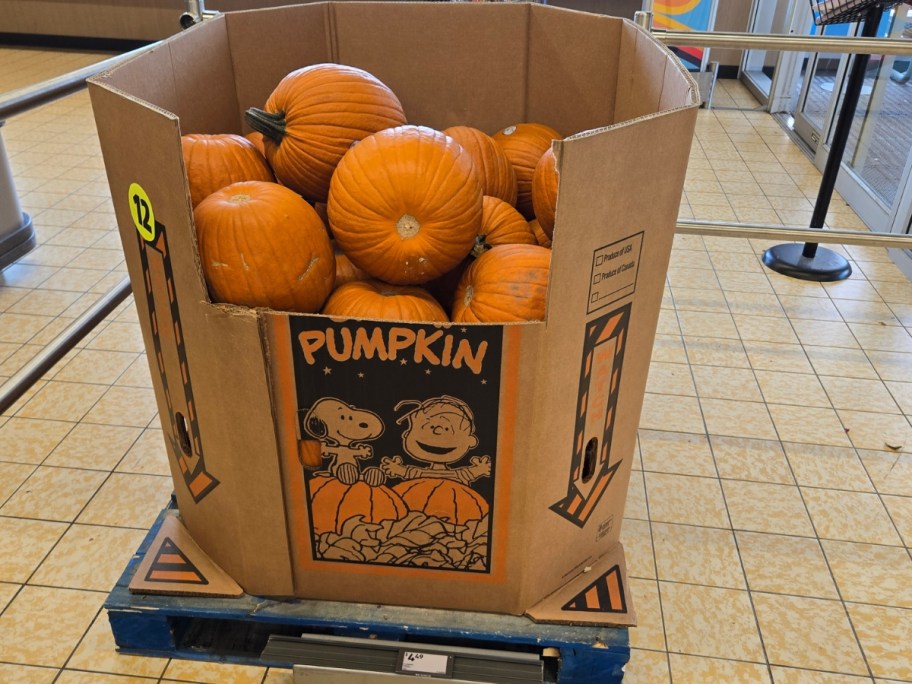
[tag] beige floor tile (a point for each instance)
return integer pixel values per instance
(44, 303)
(808, 425)
(95, 447)
(128, 500)
(673, 413)
(79, 677)
(878, 431)
(849, 363)
(716, 382)
(809, 308)
(707, 324)
(785, 285)
(8, 591)
(709, 621)
(697, 555)
(121, 337)
(278, 675)
(873, 313)
(89, 557)
(20, 328)
(34, 631)
(701, 276)
(828, 467)
(808, 633)
(699, 299)
(635, 507)
(791, 675)
(128, 406)
(751, 283)
(24, 544)
(28, 440)
(710, 351)
(676, 452)
(649, 632)
(867, 573)
(775, 356)
(698, 670)
(668, 323)
(780, 564)
(799, 389)
(68, 401)
(891, 472)
(732, 418)
(637, 540)
(96, 367)
(884, 636)
(902, 395)
(686, 500)
(670, 378)
(646, 667)
(882, 337)
(890, 365)
(12, 475)
(54, 494)
(859, 394)
(24, 674)
(824, 333)
(900, 510)
(894, 292)
(212, 673)
(753, 304)
(757, 460)
(765, 507)
(148, 455)
(850, 516)
(137, 374)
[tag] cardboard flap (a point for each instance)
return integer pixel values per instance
(175, 565)
(599, 595)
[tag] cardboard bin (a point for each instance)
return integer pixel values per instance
(525, 515)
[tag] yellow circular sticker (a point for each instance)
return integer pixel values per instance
(141, 210)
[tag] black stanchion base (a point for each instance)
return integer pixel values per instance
(17, 242)
(824, 267)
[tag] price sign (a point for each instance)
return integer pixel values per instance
(422, 663)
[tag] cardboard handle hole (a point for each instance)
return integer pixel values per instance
(589, 457)
(183, 435)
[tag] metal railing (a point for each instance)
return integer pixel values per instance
(28, 98)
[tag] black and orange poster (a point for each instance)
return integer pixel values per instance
(397, 428)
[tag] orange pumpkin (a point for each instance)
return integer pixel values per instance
(501, 224)
(310, 453)
(540, 235)
(262, 245)
(494, 169)
(216, 160)
(524, 145)
(445, 499)
(333, 502)
(381, 301)
(346, 271)
(405, 204)
(544, 191)
(257, 139)
(505, 284)
(312, 118)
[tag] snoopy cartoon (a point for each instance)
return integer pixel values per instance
(341, 430)
(440, 431)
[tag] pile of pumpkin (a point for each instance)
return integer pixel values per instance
(335, 204)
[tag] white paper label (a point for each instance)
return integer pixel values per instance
(425, 663)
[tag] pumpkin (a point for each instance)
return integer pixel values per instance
(261, 244)
(310, 453)
(216, 160)
(385, 302)
(405, 204)
(501, 224)
(346, 271)
(445, 499)
(524, 144)
(494, 169)
(312, 118)
(257, 139)
(332, 503)
(544, 191)
(540, 235)
(507, 283)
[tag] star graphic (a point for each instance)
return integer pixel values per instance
(327, 370)
(484, 382)
(360, 375)
(402, 362)
(427, 371)
(463, 330)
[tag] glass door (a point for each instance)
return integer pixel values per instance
(759, 67)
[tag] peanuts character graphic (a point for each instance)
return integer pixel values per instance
(440, 431)
(341, 430)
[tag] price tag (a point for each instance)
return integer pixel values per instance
(420, 663)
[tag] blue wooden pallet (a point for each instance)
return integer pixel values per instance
(236, 629)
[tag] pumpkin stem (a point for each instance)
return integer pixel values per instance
(480, 247)
(270, 124)
(407, 226)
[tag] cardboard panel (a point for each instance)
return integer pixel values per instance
(641, 74)
(431, 55)
(574, 55)
(297, 37)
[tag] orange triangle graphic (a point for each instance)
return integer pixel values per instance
(171, 565)
(604, 595)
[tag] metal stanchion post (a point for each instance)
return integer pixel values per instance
(812, 262)
(17, 236)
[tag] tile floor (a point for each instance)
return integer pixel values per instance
(769, 517)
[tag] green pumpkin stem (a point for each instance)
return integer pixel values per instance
(270, 124)
(480, 247)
